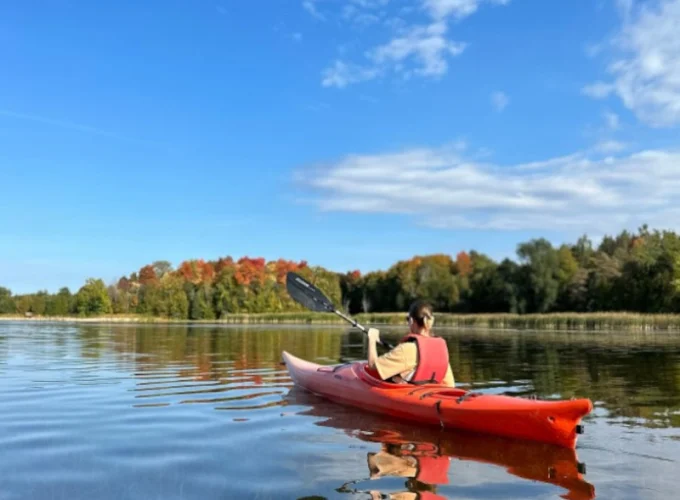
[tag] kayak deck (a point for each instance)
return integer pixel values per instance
(555, 422)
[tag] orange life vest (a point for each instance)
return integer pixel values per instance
(433, 468)
(433, 359)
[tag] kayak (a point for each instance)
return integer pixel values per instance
(354, 384)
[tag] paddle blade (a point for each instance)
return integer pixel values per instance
(303, 292)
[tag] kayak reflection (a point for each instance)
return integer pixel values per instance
(423, 455)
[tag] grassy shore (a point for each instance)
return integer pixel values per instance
(555, 321)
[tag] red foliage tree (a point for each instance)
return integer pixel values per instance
(197, 271)
(206, 271)
(282, 267)
(147, 275)
(223, 263)
(123, 284)
(464, 263)
(186, 270)
(250, 270)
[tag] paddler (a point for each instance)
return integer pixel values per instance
(419, 358)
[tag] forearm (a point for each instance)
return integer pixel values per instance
(372, 353)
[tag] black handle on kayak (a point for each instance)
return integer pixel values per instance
(306, 294)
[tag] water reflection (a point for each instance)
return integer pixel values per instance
(423, 456)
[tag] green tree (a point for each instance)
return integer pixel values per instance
(603, 278)
(60, 304)
(7, 305)
(167, 298)
(227, 294)
(493, 287)
(39, 303)
(23, 304)
(583, 251)
(539, 274)
(161, 268)
(93, 299)
(201, 303)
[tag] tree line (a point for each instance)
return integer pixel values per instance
(637, 272)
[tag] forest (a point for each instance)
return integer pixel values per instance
(633, 272)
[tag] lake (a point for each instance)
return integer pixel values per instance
(180, 412)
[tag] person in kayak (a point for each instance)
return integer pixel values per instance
(419, 358)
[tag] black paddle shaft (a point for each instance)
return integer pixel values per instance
(306, 294)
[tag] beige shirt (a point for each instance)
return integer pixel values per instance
(402, 361)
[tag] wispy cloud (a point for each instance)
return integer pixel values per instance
(598, 90)
(612, 120)
(645, 67)
(414, 49)
(427, 45)
(446, 189)
(364, 12)
(342, 74)
(310, 6)
(499, 100)
(297, 36)
(441, 9)
(77, 127)
(610, 146)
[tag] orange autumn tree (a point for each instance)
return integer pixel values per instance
(197, 271)
(147, 276)
(463, 263)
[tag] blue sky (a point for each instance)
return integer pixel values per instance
(348, 133)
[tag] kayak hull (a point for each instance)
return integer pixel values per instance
(353, 384)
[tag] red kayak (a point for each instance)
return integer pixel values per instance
(354, 384)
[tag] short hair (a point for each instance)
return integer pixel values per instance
(419, 311)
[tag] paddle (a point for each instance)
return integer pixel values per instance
(306, 294)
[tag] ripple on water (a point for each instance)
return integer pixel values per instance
(175, 412)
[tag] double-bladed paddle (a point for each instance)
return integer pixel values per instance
(306, 294)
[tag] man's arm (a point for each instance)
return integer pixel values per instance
(394, 362)
(373, 339)
(448, 378)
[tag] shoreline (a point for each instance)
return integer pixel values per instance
(551, 321)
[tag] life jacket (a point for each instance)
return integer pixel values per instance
(428, 495)
(433, 359)
(433, 468)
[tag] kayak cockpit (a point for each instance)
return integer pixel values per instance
(332, 368)
(371, 376)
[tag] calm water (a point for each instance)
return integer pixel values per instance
(119, 412)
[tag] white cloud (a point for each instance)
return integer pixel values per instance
(610, 146)
(310, 6)
(342, 74)
(370, 4)
(593, 49)
(584, 191)
(598, 90)
(499, 100)
(440, 9)
(426, 44)
(422, 50)
(612, 120)
(646, 68)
